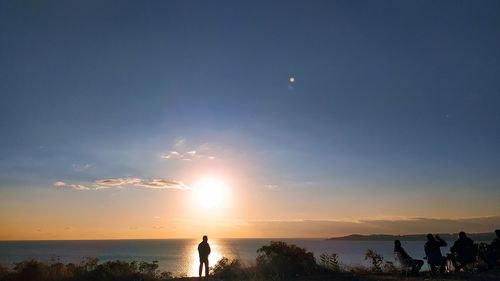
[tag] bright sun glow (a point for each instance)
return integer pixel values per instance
(211, 193)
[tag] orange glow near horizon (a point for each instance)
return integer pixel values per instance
(224, 203)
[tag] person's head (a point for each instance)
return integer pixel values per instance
(462, 235)
(205, 238)
(430, 237)
(497, 232)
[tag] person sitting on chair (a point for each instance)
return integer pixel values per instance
(405, 259)
(494, 256)
(462, 252)
(432, 250)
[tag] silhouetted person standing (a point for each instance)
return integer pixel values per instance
(204, 251)
(433, 252)
(405, 259)
(462, 251)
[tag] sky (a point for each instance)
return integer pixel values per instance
(174, 119)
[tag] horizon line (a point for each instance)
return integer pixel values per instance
(190, 238)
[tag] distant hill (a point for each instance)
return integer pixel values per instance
(478, 237)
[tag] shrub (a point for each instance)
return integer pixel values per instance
(58, 271)
(3, 271)
(376, 260)
(88, 270)
(74, 269)
(32, 270)
(228, 269)
(149, 268)
(357, 269)
(390, 267)
(329, 262)
(165, 275)
(114, 271)
(280, 260)
(89, 264)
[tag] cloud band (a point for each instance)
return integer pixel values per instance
(122, 182)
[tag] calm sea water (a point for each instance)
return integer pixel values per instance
(179, 256)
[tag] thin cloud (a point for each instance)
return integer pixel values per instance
(81, 167)
(122, 182)
(82, 187)
(161, 184)
(117, 182)
(61, 184)
(271, 186)
(181, 151)
(180, 142)
(172, 155)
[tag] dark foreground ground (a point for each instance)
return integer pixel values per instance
(486, 276)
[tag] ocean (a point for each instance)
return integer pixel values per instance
(180, 256)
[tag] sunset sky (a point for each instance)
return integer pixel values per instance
(174, 119)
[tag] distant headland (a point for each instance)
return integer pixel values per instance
(488, 236)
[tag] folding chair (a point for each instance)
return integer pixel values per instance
(404, 264)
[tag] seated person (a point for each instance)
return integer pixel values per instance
(432, 250)
(462, 251)
(405, 259)
(494, 256)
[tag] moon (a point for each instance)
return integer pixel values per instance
(291, 79)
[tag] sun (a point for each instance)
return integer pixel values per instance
(211, 193)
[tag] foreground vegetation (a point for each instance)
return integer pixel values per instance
(276, 261)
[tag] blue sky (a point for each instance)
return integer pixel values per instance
(392, 100)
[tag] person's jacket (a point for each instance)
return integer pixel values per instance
(464, 248)
(433, 250)
(204, 250)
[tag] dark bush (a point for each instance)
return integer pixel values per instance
(390, 267)
(376, 260)
(149, 269)
(32, 270)
(279, 260)
(74, 269)
(165, 275)
(329, 262)
(3, 271)
(88, 270)
(228, 269)
(114, 271)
